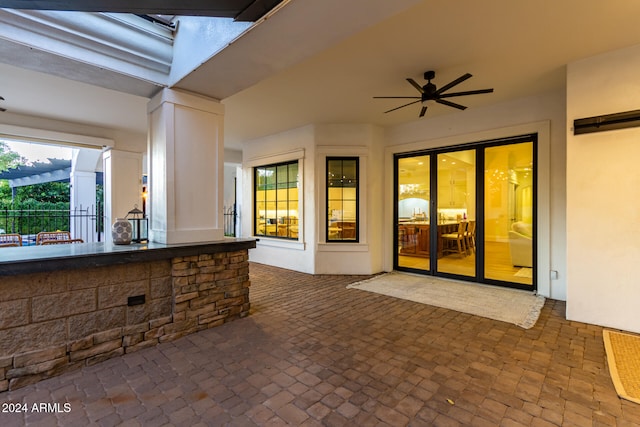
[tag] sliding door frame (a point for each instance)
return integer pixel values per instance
(479, 148)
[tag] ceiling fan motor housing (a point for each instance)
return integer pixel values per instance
(428, 91)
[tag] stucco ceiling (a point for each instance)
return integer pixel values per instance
(310, 64)
(518, 48)
(249, 10)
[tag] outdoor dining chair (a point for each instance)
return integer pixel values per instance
(46, 236)
(10, 240)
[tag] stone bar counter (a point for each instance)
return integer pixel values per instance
(67, 306)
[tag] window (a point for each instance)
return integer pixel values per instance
(342, 199)
(276, 200)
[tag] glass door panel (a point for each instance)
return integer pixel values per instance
(456, 212)
(508, 212)
(413, 213)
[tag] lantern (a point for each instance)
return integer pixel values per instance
(140, 225)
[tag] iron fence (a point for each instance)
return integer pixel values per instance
(83, 223)
(230, 221)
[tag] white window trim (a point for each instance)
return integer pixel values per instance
(259, 161)
(362, 153)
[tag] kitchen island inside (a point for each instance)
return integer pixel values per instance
(414, 237)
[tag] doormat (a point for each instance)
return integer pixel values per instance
(521, 308)
(623, 358)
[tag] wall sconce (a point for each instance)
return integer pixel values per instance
(140, 225)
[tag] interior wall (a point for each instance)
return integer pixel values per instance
(513, 118)
(602, 181)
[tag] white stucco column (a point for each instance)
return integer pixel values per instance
(83, 201)
(186, 168)
(122, 185)
(83, 192)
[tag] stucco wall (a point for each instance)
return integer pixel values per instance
(603, 209)
(311, 145)
(366, 143)
(295, 144)
(540, 114)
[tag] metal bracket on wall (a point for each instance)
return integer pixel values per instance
(606, 122)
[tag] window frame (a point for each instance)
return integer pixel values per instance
(256, 184)
(328, 239)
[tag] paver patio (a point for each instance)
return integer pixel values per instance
(315, 353)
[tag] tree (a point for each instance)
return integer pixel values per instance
(51, 192)
(9, 159)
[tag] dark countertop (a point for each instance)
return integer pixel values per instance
(34, 259)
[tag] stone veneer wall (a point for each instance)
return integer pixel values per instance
(57, 321)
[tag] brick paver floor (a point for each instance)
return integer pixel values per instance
(315, 353)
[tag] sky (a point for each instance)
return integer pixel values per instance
(39, 152)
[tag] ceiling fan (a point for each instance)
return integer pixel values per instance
(430, 92)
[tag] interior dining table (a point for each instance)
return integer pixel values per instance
(414, 237)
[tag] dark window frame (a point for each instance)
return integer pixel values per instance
(356, 239)
(257, 184)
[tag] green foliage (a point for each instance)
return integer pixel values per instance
(38, 207)
(5, 191)
(49, 192)
(8, 158)
(31, 218)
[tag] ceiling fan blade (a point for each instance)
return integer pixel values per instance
(402, 106)
(424, 110)
(416, 85)
(451, 104)
(453, 83)
(469, 92)
(397, 97)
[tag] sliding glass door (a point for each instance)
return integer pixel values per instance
(456, 212)
(468, 212)
(412, 225)
(509, 213)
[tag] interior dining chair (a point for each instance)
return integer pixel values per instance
(470, 236)
(457, 237)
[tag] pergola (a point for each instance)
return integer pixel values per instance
(82, 172)
(55, 170)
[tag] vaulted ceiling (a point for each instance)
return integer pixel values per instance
(310, 61)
